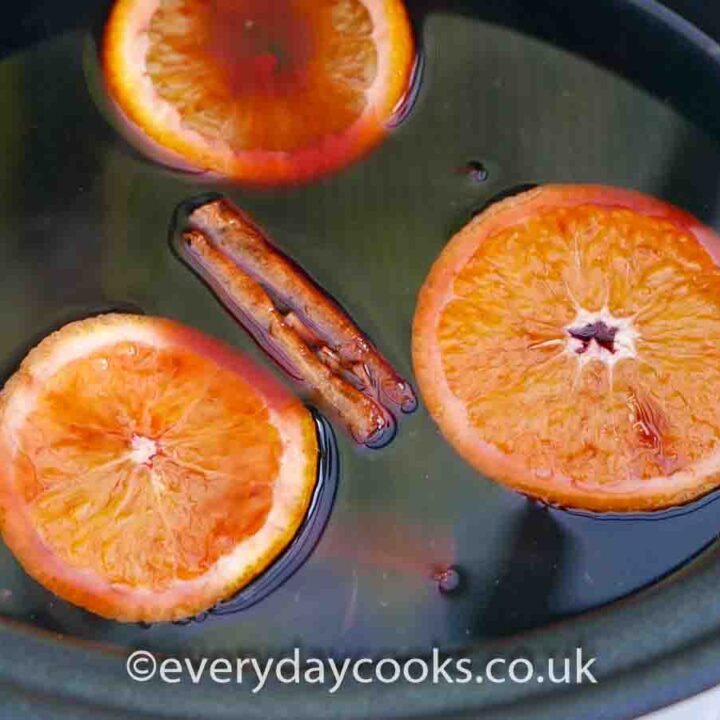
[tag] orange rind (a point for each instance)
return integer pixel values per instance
(566, 344)
(147, 471)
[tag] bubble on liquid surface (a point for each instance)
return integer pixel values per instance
(449, 580)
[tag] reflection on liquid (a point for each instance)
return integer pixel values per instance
(529, 571)
(385, 542)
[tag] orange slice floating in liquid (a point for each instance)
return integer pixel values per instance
(148, 471)
(567, 343)
(264, 91)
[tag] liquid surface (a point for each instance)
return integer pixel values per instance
(83, 221)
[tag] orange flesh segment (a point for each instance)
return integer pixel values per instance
(275, 75)
(143, 474)
(562, 419)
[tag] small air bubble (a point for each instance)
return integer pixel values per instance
(476, 171)
(103, 364)
(448, 580)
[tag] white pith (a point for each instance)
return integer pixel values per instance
(625, 343)
(143, 449)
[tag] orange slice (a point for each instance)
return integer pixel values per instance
(148, 471)
(264, 91)
(566, 343)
